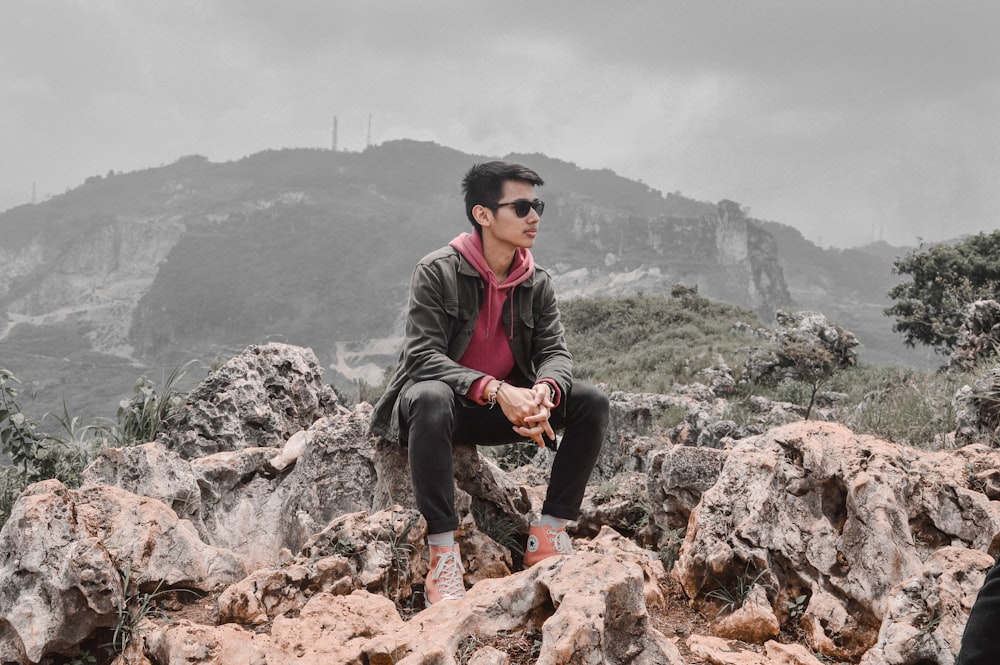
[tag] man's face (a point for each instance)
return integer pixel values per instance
(505, 227)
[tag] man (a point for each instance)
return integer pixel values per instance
(484, 361)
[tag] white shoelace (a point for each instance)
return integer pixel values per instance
(448, 574)
(560, 540)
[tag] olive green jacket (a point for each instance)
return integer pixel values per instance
(446, 293)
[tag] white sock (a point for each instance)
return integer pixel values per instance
(554, 522)
(446, 539)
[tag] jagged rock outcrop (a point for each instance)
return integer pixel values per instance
(71, 557)
(260, 398)
(812, 509)
(927, 612)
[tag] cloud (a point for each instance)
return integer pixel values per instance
(847, 120)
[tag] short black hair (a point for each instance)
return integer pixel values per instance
(483, 184)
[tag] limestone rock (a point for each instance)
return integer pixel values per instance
(588, 608)
(977, 418)
(495, 493)
(720, 651)
(258, 399)
(384, 548)
(332, 629)
(335, 475)
(292, 450)
(152, 471)
(67, 556)
(789, 654)
(185, 643)
(754, 621)
(927, 612)
(488, 656)
(811, 328)
(978, 335)
(837, 517)
(621, 503)
(677, 479)
(611, 543)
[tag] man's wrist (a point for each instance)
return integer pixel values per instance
(550, 391)
(493, 391)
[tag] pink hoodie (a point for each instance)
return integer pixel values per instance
(484, 354)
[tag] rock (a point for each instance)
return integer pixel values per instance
(588, 608)
(633, 428)
(611, 543)
(754, 621)
(333, 629)
(258, 399)
(335, 475)
(678, 477)
(621, 503)
(292, 450)
(71, 557)
(927, 612)
(720, 651)
(495, 494)
(488, 656)
(837, 517)
(977, 412)
(800, 327)
(152, 471)
(789, 654)
(384, 548)
(185, 643)
(978, 336)
(257, 514)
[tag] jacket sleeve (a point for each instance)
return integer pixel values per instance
(431, 318)
(550, 356)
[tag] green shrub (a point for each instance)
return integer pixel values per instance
(141, 417)
(36, 454)
(39, 454)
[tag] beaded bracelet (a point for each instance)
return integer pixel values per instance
(491, 399)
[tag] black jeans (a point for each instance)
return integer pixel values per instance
(981, 639)
(432, 417)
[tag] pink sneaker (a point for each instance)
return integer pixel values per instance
(545, 541)
(444, 580)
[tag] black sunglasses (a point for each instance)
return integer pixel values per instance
(522, 206)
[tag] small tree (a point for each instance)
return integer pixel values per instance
(814, 364)
(930, 308)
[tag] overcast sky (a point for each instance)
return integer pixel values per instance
(849, 120)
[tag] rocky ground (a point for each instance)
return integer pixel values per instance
(873, 550)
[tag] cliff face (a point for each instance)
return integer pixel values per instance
(136, 273)
(727, 256)
(94, 285)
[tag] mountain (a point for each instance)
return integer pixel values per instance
(137, 273)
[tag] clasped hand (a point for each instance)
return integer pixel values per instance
(529, 409)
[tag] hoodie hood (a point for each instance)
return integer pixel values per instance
(470, 245)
